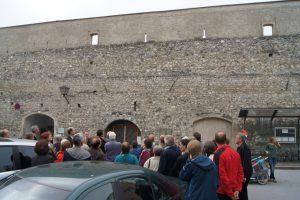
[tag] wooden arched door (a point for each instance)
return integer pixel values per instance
(125, 130)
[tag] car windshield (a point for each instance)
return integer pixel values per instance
(18, 188)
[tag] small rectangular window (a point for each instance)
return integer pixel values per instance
(6, 158)
(285, 134)
(268, 30)
(135, 188)
(94, 38)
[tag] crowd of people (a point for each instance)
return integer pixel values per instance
(213, 170)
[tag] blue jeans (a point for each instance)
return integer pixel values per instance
(272, 163)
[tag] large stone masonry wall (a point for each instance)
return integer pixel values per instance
(172, 83)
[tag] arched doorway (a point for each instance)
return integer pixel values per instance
(209, 126)
(44, 122)
(125, 130)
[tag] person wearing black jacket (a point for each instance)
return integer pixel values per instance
(168, 157)
(181, 160)
(245, 154)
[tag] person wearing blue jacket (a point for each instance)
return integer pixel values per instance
(201, 174)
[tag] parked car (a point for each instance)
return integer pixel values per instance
(89, 180)
(16, 154)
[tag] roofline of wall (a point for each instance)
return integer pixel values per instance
(151, 12)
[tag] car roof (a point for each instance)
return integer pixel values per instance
(69, 175)
(16, 142)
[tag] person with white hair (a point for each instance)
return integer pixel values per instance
(113, 147)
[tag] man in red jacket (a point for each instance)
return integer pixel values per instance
(230, 169)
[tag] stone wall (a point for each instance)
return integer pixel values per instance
(218, 22)
(173, 83)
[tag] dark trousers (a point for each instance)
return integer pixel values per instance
(243, 195)
(223, 197)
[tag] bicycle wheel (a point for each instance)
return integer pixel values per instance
(263, 177)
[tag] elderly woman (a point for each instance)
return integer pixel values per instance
(153, 162)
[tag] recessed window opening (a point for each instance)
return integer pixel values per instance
(94, 38)
(268, 30)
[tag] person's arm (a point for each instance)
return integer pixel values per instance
(147, 163)
(186, 172)
(144, 156)
(267, 147)
(136, 161)
(162, 163)
(277, 144)
(67, 156)
(240, 176)
(248, 164)
(176, 168)
(116, 159)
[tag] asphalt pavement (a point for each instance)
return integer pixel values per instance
(286, 188)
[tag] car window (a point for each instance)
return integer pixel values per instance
(19, 188)
(6, 157)
(135, 189)
(26, 154)
(105, 192)
(159, 193)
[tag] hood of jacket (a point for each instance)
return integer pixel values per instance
(204, 163)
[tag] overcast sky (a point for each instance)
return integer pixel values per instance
(19, 12)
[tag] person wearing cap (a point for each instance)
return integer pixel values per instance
(245, 154)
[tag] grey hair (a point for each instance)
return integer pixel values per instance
(57, 139)
(111, 135)
(34, 128)
(157, 150)
(169, 140)
(78, 139)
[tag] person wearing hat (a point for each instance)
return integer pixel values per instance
(245, 154)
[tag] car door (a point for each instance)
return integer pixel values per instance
(6, 158)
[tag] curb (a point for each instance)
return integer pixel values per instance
(289, 167)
